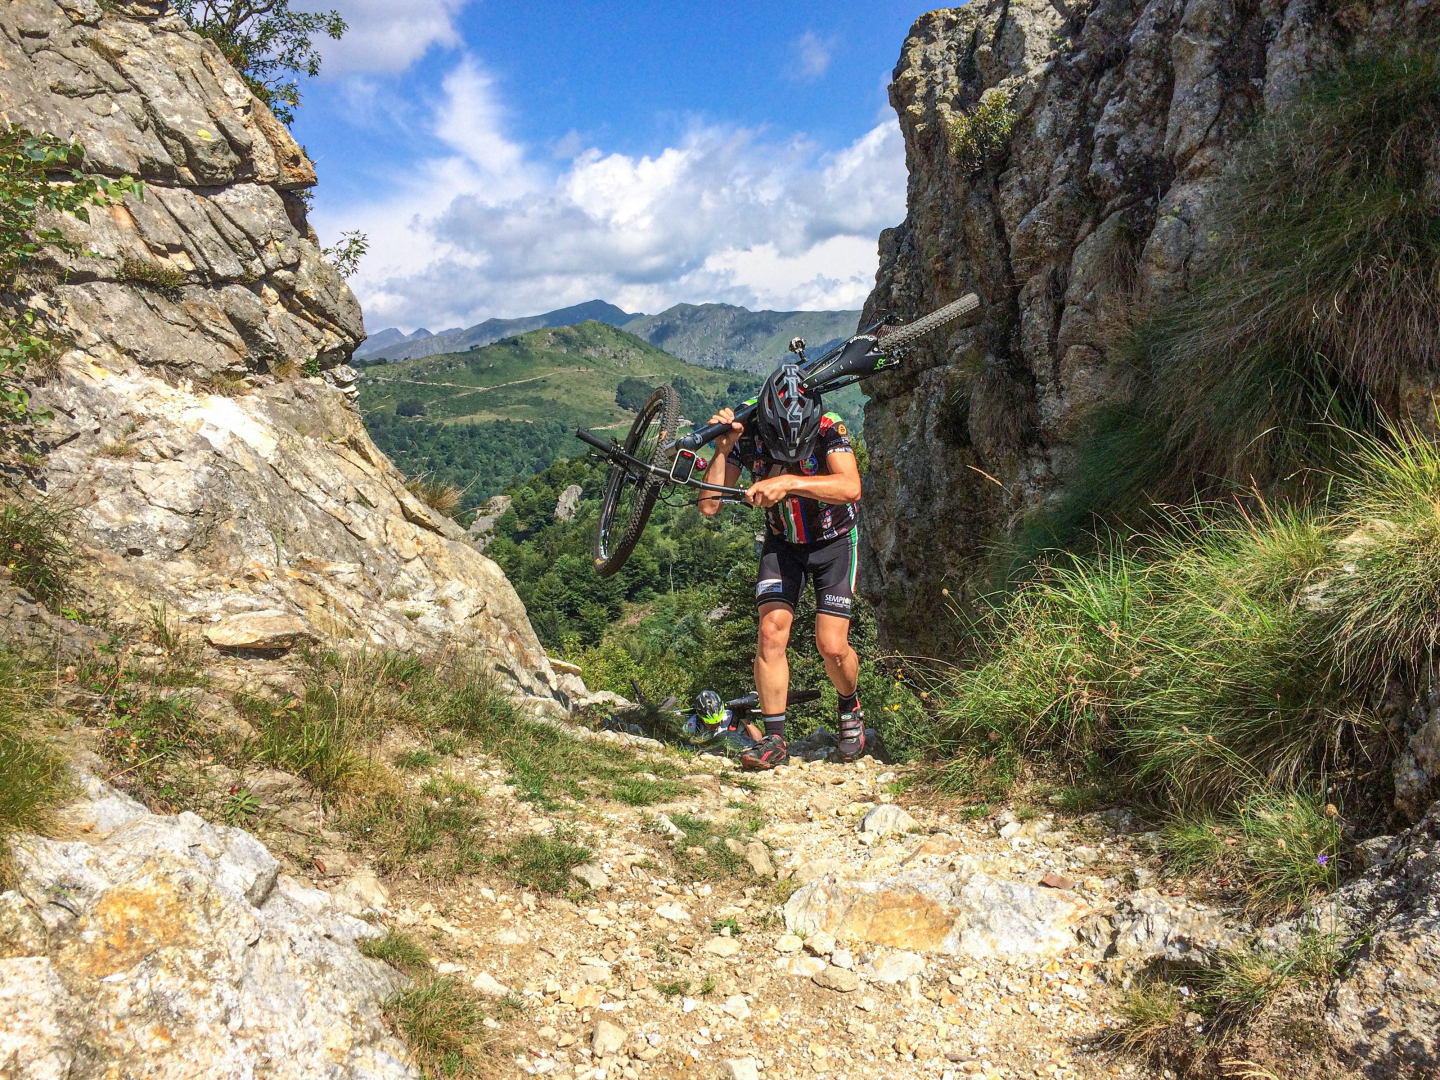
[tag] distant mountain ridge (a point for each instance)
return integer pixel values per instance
(708, 335)
(394, 345)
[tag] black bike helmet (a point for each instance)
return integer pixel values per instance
(789, 416)
(709, 709)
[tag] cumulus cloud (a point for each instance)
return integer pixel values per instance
(386, 36)
(491, 228)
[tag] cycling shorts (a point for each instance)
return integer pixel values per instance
(785, 567)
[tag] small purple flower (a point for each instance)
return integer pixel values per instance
(1322, 859)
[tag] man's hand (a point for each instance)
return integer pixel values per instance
(768, 492)
(725, 443)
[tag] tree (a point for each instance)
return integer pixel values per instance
(266, 42)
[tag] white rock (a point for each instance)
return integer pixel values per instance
(896, 967)
(757, 855)
(672, 913)
(591, 874)
(820, 943)
(803, 967)
(170, 922)
(736, 1006)
(722, 947)
(487, 984)
(837, 979)
(361, 893)
(739, 1069)
(260, 631)
(886, 819)
(608, 1039)
(789, 943)
(842, 958)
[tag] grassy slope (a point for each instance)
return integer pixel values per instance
(719, 335)
(567, 373)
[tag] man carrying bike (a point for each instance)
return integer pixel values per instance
(806, 478)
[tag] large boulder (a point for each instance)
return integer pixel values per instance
(204, 428)
(167, 947)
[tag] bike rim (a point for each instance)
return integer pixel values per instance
(626, 489)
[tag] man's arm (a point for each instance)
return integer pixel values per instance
(840, 485)
(720, 470)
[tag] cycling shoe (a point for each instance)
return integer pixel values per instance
(852, 735)
(765, 755)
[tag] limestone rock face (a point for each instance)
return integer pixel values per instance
(167, 947)
(208, 471)
(1124, 113)
(1385, 1012)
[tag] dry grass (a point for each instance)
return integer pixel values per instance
(439, 496)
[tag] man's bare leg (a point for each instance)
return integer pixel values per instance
(772, 680)
(772, 668)
(832, 637)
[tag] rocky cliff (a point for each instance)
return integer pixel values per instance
(203, 429)
(1062, 157)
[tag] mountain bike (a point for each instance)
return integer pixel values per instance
(652, 457)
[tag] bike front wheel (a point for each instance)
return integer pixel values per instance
(629, 494)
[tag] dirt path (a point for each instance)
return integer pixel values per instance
(688, 974)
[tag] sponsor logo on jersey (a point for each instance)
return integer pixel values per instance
(837, 601)
(769, 585)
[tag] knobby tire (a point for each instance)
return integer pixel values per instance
(903, 336)
(654, 426)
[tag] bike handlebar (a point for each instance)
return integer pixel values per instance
(594, 440)
(702, 435)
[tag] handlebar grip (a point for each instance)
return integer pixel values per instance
(800, 697)
(700, 436)
(594, 440)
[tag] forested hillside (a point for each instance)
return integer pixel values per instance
(485, 419)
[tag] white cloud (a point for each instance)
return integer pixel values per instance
(492, 228)
(812, 55)
(386, 36)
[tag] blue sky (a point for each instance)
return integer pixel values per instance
(507, 158)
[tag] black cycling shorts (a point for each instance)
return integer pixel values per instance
(784, 567)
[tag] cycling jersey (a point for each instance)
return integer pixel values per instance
(796, 518)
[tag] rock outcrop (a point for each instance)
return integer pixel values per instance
(166, 947)
(1385, 1012)
(203, 428)
(1121, 116)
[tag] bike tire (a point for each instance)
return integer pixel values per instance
(903, 336)
(623, 519)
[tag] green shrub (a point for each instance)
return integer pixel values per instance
(976, 135)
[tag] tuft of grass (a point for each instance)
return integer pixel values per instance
(703, 853)
(639, 791)
(34, 549)
(410, 760)
(1385, 597)
(1149, 1014)
(399, 950)
(542, 862)
(1283, 849)
(36, 777)
(439, 496)
(442, 1022)
(675, 989)
(1190, 671)
(152, 275)
(122, 449)
(436, 831)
